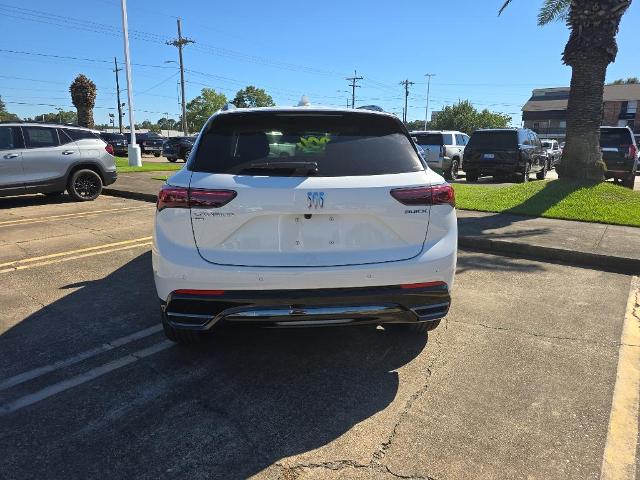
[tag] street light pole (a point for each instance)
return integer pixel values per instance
(135, 158)
(426, 110)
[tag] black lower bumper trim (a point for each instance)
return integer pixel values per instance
(307, 308)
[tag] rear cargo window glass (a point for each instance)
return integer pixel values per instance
(447, 139)
(304, 144)
(429, 139)
(615, 137)
(494, 140)
(80, 134)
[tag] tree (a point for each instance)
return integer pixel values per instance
(415, 125)
(252, 97)
(4, 115)
(203, 106)
(628, 81)
(83, 95)
(464, 117)
(591, 47)
(57, 117)
(168, 124)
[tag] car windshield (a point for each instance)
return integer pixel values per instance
(496, 140)
(615, 137)
(299, 144)
(547, 144)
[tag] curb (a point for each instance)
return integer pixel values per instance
(597, 261)
(145, 197)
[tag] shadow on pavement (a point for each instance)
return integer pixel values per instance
(31, 200)
(231, 408)
(470, 262)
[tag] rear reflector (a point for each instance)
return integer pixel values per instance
(436, 195)
(423, 285)
(180, 197)
(199, 292)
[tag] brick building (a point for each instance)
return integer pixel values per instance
(546, 111)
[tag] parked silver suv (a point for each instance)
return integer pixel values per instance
(51, 158)
(443, 150)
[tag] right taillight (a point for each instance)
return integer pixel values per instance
(180, 197)
(633, 150)
(435, 195)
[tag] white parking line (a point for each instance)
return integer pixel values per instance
(37, 372)
(65, 216)
(619, 460)
(85, 377)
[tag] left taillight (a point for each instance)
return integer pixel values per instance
(434, 195)
(180, 197)
(109, 148)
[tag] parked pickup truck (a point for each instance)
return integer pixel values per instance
(620, 154)
(149, 142)
(443, 150)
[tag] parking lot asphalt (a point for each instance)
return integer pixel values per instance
(516, 383)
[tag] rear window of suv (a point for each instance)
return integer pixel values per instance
(495, 140)
(429, 138)
(615, 137)
(302, 144)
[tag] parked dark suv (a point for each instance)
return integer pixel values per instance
(505, 152)
(178, 147)
(620, 154)
(117, 141)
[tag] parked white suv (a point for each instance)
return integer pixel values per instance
(50, 158)
(303, 217)
(443, 150)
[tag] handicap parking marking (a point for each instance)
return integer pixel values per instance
(619, 459)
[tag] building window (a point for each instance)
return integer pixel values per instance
(632, 106)
(563, 124)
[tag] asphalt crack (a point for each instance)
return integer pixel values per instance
(294, 472)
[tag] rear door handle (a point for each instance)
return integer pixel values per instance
(11, 155)
(68, 152)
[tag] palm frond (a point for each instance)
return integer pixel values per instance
(505, 5)
(553, 10)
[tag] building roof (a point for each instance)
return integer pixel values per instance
(612, 93)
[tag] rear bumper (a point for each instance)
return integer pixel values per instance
(110, 177)
(201, 311)
(493, 169)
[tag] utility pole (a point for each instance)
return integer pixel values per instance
(180, 43)
(406, 84)
(115, 61)
(353, 86)
(426, 110)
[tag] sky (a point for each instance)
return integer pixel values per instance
(290, 49)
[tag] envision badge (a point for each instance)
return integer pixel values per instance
(315, 200)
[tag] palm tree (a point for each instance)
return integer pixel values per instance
(591, 48)
(83, 95)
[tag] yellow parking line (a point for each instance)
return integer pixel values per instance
(15, 263)
(21, 221)
(619, 460)
(74, 257)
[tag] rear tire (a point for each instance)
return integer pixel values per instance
(524, 176)
(543, 173)
(84, 185)
(416, 327)
(629, 181)
(156, 154)
(452, 172)
(183, 337)
(472, 177)
(186, 155)
(172, 159)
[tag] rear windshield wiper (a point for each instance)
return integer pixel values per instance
(309, 168)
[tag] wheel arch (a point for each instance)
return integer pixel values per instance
(85, 165)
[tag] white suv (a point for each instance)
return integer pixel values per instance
(443, 150)
(303, 217)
